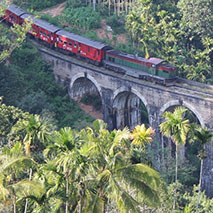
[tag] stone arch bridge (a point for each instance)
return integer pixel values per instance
(122, 97)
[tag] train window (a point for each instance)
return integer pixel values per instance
(165, 71)
(41, 32)
(61, 41)
(75, 46)
(65, 42)
(48, 36)
(44, 34)
(70, 43)
(88, 49)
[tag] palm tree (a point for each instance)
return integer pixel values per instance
(175, 127)
(203, 136)
(66, 161)
(142, 135)
(37, 132)
(111, 172)
(13, 166)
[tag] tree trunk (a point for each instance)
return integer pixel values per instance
(126, 2)
(114, 7)
(176, 174)
(93, 4)
(67, 191)
(162, 156)
(104, 204)
(26, 203)
(118, 7)
(14, 208)
(14, 204)
(200, 182)
(109, 5)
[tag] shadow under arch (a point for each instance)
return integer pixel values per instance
(87, 76)
(130, 108)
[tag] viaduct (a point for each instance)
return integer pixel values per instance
(123, 96)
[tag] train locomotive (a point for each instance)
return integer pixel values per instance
(153, 69)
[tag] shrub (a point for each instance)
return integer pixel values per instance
(91, 99)
(84, 17)
(38, 4)
(116, 23)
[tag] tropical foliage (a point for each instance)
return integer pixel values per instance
(10, 38)
(84, 170)
(92, 170)
(176, 127)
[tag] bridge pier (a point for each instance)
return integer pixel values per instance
(207, 178)
(107, 107)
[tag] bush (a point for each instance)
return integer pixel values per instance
(53, 20)
(91, 99)
(38, 4)
(116, 23)
(84, 17)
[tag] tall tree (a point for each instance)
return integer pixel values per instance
(111, 172)
(37, 133)
(66, 161)
(176, 127)
(203, 136)
(13, 187)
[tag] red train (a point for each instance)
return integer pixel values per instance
(92, 51)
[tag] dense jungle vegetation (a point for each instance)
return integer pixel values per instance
(54, 158)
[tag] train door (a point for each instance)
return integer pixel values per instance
(97, 53)
(79, 48)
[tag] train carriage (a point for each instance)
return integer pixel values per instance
(13, 14)
(93, 51)
(152, 66)
(42, 29)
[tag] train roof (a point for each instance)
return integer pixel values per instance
(126, 55)
(16, 10)
(155, 61)
(80, 39)
(41, 23)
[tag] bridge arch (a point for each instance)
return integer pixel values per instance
(181, 103)
(185, 152)
(134, 91)
(130, 108)
(84, 75)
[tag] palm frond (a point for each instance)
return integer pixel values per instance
(26, 188)
(94, 203)
(142, 135)
(145, 180)
(125, 202)
(4, 193)
(16, 162)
